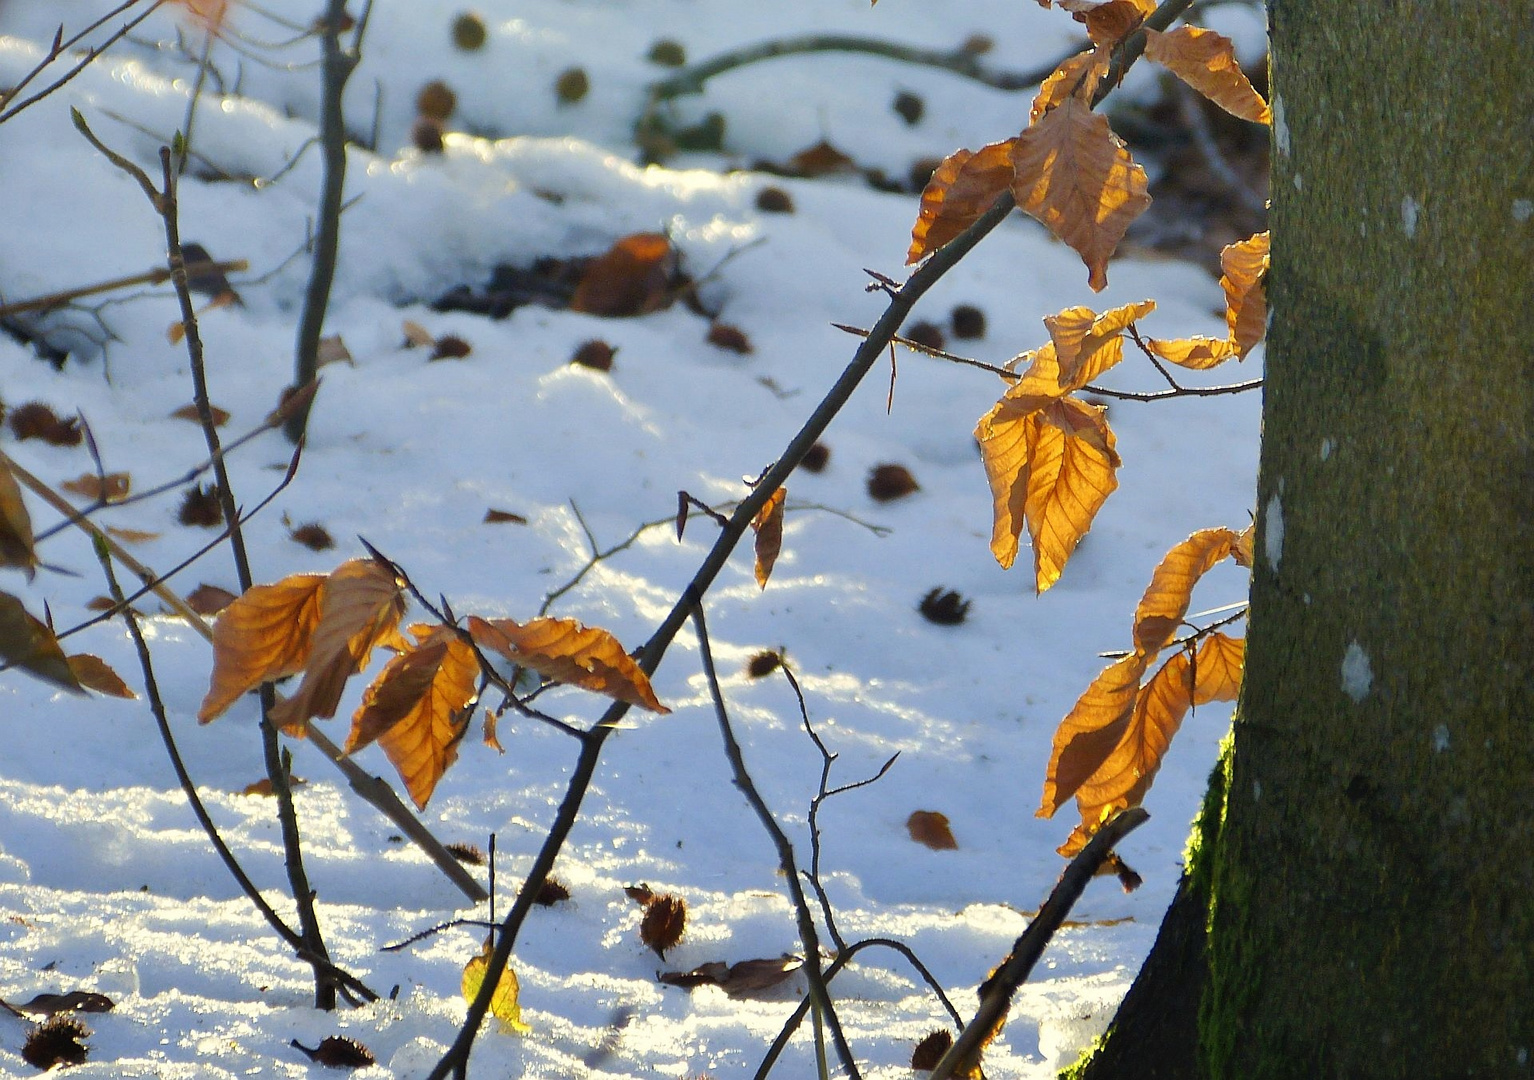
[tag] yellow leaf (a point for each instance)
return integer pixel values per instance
(1196, 353)
(961, 189)
(1077, 178)
(566, 651)
(1246, 306)
(768, 524)
(360, 608)
(1206, 61)
(93, 673)
(1171, 587)
(1088, 344)
(1218, 669)
(1124, 776)
(261, 636)
(15, 523)
(1090, 731)
(503, 1003)
(419, 707)
(1071, 472)
(1244, 545)
(1005, 438)
(29, 644)
(1077, 77)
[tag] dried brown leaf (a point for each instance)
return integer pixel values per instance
(931, 828)
(1195, 353)
(1072, 469)
(1165, 602)
(1207, 62)
(497, 517)
(86, 1001)
(768, 525)
(566, 651)
(633, 277)
(29, 644)
(1077, 77)
(264, 635)
(1125, 774)
(189, 412)
(209, 599)
(132, 536)
(1090, 731)
(741, 980)
(963, 188)
(1088, 344)
(1077, 178)
(110, 487)
(93, 673)
(337, 1052)
(1110, 23)
(360, 607)
(1219, 665)
(1245, 263)
(16, 543)
(820, 160)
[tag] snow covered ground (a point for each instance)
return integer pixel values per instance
(106, 882)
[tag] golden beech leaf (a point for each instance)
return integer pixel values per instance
(768, 524)
(1072, 470)
(28, 643)
(109, 488)
(1218, 668)
(261, 636)
(1090, 731)
(961, 189)
(361, 605)
(1111, 23)
(16, 548)
(1088, 344)
(1005, 438)
(1244, 546)
(1206, 61)
(94, 673)
(1246, 306)
(1124, 776)
(503, 1003)
(566, 651)
(422, 740)
(1077, 178)
(1076, 77)
(1196, 353)
(1166, 598)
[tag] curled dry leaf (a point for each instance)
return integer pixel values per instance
(108, 487)
(1077, 77)
(503, 1003)
(419, 708)
(565, 651)
(1110, 23)
(86, 1001)
(1195, 353)
(931, 1049)
(264, 635)
(634, 277)
(1245, 263)
(1088, 344)
(1207, 62)
(497, 517)
(209, 599)
(963, 188)
(361, 604)
(337, 1052)
(742, 980)
(132, 536)
(931, 828)
(93, 673)
(16, 543)
(189, 412)
(1077, 178)
(768, 525)
(1165, 602)
(30, 645)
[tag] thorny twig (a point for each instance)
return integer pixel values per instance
(808, 935)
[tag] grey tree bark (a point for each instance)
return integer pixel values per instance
(1369, 879)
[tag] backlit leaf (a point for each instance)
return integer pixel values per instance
(633, 277)
(1246, 306)
(93, 673)
(1005, 435)
(1218, 669)
(1124, 776)
(263, 635)
(961, 189)
(1165, 602)
(503, 1003)
(1196, 353)
(1206, 61)
(419, 712)
(1090, 731)
(768, 524)
(27, 643)
(1077, 178)
(1088, 344)
(16, 548)
(1110, 23)
(567, 652)
(360, 607)
(1072, 470)
(1077, 77)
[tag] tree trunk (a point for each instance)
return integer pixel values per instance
(1372, 881)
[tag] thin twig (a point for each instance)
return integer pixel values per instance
(158, 276)
(60, 46)
(807, 932)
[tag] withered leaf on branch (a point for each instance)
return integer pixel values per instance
(16, 544)
(961, 189)
(263, 635)
(1110, 23)
(1125, 774)
(1090, 731)
(1220, 664)
(1077, 178)
(1245, 263)
(1207, 62)
(1072, 470)
(567, 652)
(929, 827)
(1076, 77)
(768, 525)
(419, 708)
(93, 673)
(633, 277)
(1166, 598)
(361, 604)
(29, 644)
(1088, 344)
(1195, 353)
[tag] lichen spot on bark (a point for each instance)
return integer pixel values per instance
(1357, 675)
(1273, 532)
